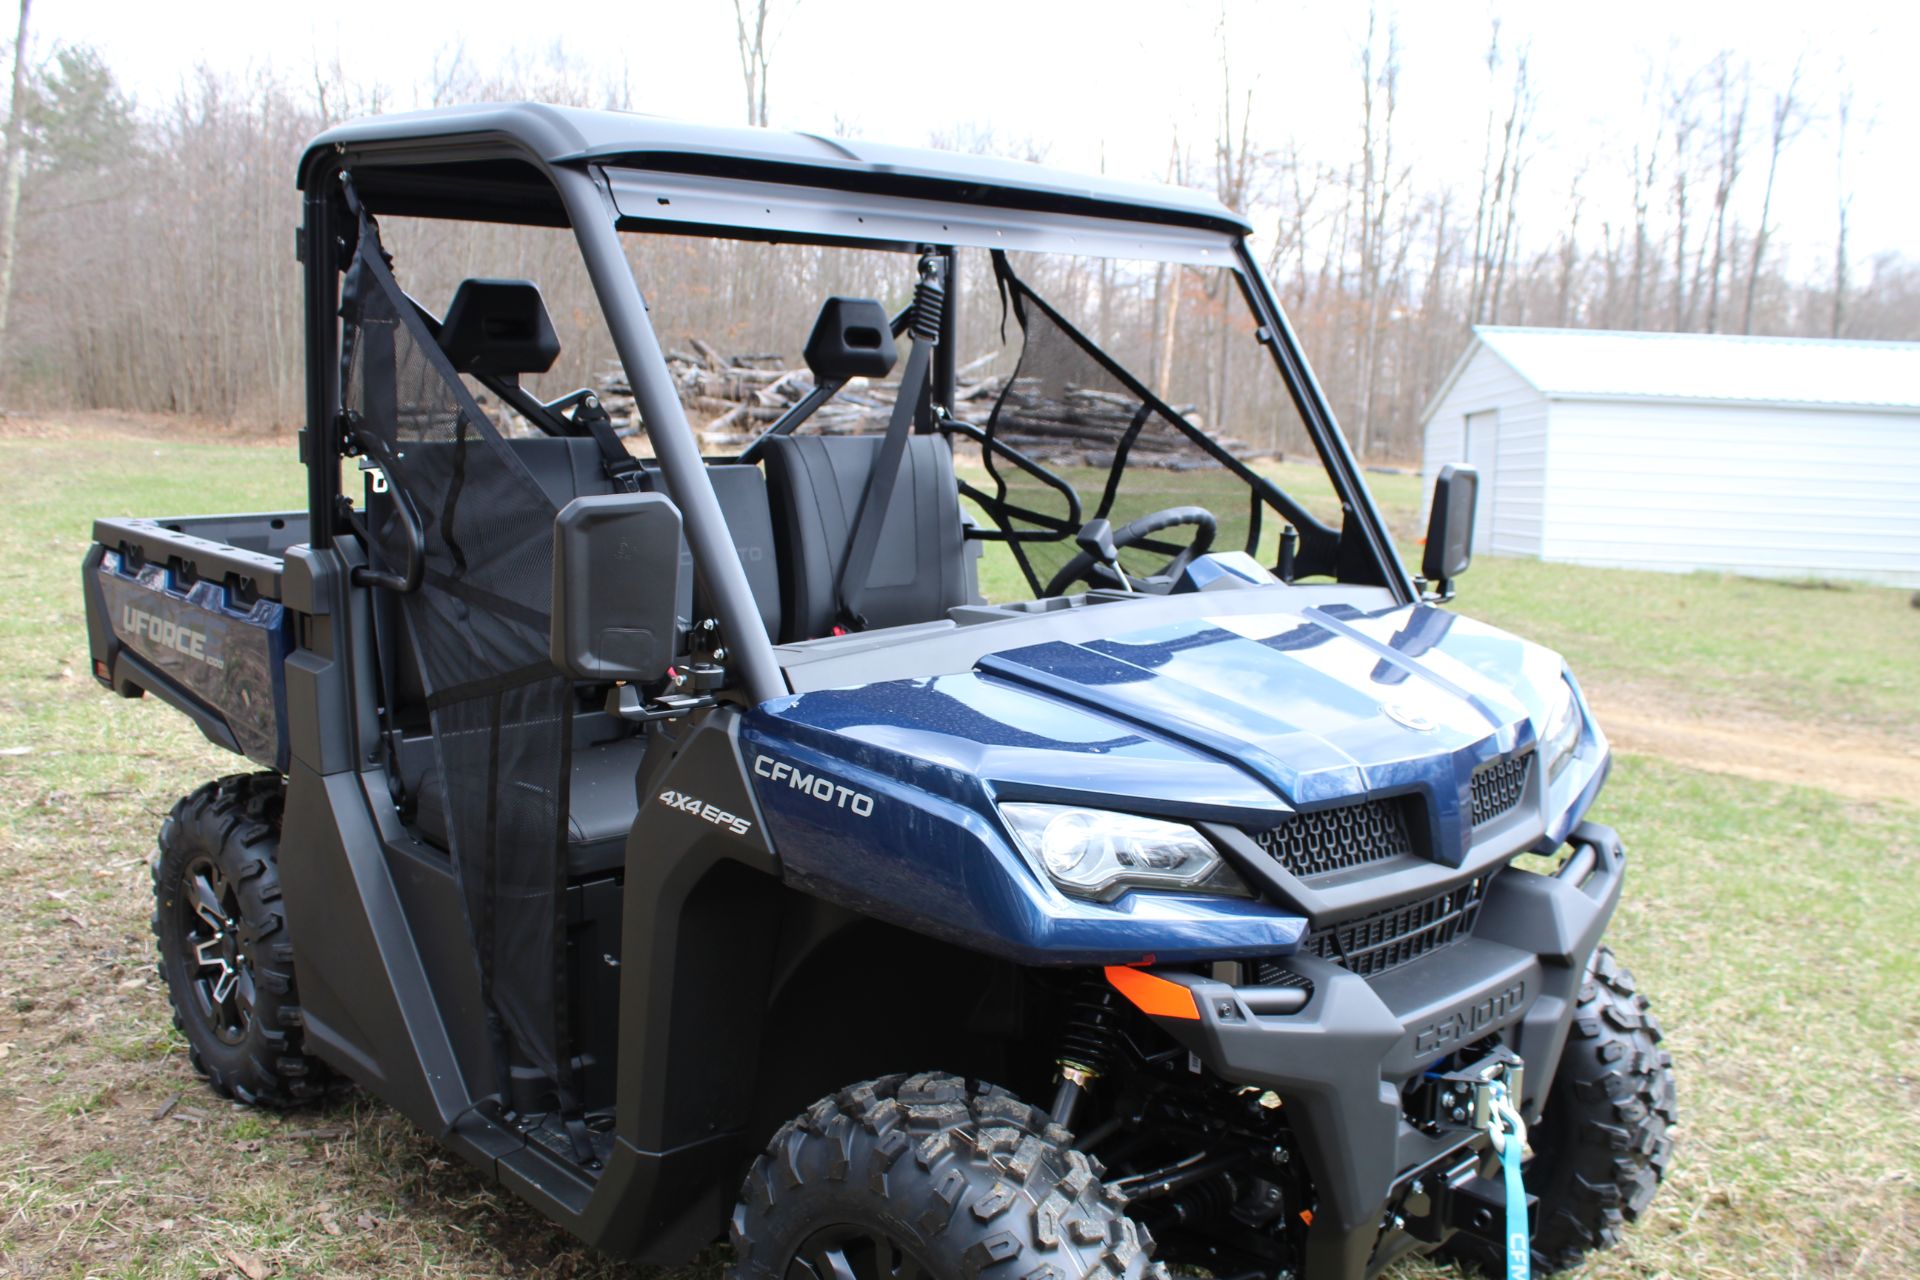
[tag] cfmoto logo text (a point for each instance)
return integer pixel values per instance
(166, 633)
(1466, 1023)
(701, 809)
(817, 785)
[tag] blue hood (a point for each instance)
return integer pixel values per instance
(882, 796)
(1233, 718)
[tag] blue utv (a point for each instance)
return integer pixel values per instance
(992, 805)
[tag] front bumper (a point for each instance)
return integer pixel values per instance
(1341, 1061)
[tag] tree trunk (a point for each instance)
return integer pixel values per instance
(10, 181)
(1784, 126)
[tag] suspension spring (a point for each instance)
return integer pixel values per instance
(1087, 1046)
(1092, 1032)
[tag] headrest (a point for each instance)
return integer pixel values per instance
(499, 327)
(851, 339)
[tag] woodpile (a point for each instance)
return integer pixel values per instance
(1083, 426)
(732, 399)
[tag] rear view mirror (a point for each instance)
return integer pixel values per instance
(616, 587)
(1450, 526)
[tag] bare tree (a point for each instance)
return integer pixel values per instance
(126, 295)
(1503, 160)
(1844, 206)
(14, 162)
(1683, 122)
(450, 73)
(1787, 121)
(1731, 94)
(1646, 177)
(1569, 253)
(1379, 186)
(756, 49)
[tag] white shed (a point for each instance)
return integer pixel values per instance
(1776, 457)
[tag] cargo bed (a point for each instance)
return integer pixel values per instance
(188, 608)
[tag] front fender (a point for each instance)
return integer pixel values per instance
(919, 846)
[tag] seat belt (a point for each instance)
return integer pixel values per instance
(865, 541)
(622, 467)
(929, 300)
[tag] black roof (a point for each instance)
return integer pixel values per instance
(572, 135)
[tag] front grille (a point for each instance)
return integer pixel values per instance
(1326, 840)
(1400, 934)
(1269, 973)
(1497, 787)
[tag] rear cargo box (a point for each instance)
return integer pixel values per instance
(188, 609)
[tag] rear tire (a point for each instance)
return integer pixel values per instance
(1604, 1141)
(927, 1177)
(225, 956)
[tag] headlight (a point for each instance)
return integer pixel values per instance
(1563, 732)
(1095, 853)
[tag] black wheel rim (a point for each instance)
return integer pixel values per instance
(219, 954)
(846, 1251)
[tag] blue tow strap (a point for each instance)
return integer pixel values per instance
(1509, 1134)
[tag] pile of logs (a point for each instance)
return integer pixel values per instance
(731, 399)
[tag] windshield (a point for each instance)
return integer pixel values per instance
(1137, 387)
(1138, 393)
(1082, 388)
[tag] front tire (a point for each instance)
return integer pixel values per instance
(1604, 1140)
(225, 956)
(927, 1177)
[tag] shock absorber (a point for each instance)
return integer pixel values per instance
(1087, 1046)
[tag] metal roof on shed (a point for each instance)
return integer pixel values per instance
(571, 135)
(1599, 364)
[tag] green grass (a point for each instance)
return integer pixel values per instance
(1834, 652)
(1772, 925)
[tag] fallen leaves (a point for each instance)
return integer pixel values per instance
(250, 1266)
(329, 1219)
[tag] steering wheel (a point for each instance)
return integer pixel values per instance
(1087, 567)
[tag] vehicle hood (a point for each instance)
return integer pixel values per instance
(1224, 718)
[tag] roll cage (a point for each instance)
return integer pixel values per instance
(601, 173)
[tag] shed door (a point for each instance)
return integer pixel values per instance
(1483, 451)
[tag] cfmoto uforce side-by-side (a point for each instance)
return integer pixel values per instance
(993, 804)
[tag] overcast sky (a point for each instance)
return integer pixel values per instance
(1107, 83)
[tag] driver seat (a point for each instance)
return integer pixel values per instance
(815, 485)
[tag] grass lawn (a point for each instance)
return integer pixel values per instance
(1773, 926)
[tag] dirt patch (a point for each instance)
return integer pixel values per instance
(1859, 764)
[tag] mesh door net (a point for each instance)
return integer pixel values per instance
(478, 625)
(1073, 437)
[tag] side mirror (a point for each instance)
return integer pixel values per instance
(616, 587)
(1450, 526)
